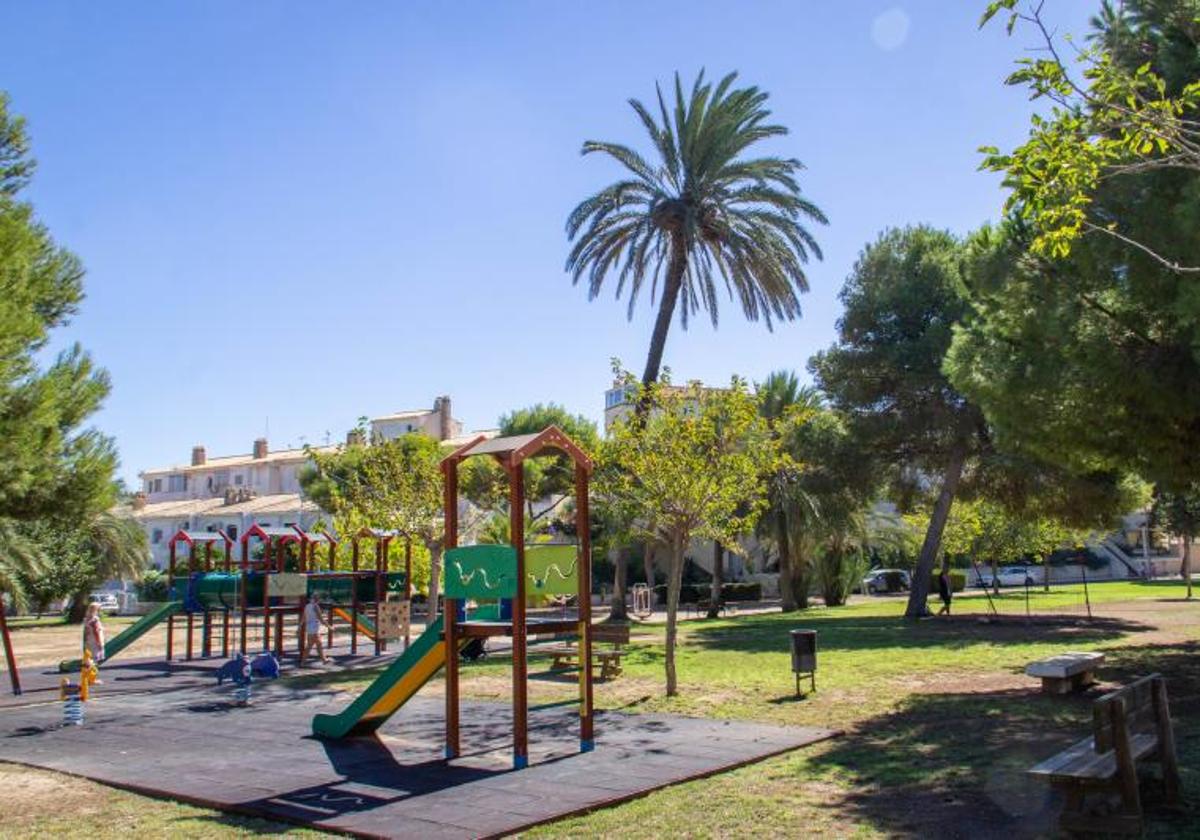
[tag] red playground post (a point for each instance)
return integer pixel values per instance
(14, 676)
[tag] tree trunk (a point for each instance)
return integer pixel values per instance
(648, 555)
(674, 583)
(435, 573)
(786, 593)
(1185, 565)
(718, 578)
(617, 611)
(79, 604)
(933, 537)
(666, 311)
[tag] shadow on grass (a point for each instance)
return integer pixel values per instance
(850, 632)
(953, 765)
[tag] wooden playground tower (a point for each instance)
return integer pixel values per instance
(248, 589)
(481, 571)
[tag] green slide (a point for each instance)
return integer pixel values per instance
(390, 690)
(129, 635)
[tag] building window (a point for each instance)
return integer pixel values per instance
(157, 486)
(176, 483)
(156, 536)
(233, 532)
(237, 480)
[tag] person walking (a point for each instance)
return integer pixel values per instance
(945, 590)
(313, 622)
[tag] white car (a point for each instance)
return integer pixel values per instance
(107, 600)
(1012, 576)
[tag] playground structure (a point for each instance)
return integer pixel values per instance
(499, 580)
(279, 569)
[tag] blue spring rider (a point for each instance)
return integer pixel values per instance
(241, 671)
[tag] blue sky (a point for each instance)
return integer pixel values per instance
(310, 212)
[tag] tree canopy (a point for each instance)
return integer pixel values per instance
(698, 213)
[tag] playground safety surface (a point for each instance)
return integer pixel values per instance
(194, 745)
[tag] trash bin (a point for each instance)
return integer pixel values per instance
(804, 656)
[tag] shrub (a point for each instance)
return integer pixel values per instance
(692, 593)
(958, 581)
(153, 586)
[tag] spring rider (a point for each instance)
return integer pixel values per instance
(74, 696)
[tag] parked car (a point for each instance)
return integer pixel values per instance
(885, 580)
(1012, 576)
(107, 600)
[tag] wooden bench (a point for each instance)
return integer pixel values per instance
(566, 652)
(1130, 725)
(1067, 672)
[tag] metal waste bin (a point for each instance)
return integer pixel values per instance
(804, 656)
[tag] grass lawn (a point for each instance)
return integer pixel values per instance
(940, 721)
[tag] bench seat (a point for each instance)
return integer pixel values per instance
(1067, 672)
(1081, 762)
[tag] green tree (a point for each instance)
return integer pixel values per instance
(114, 547)
(701, 214)
(784, 403)
(52, 467)
(691, 469)
(1124, 104)
(885, 376)
(1179, 510)
(393, 485)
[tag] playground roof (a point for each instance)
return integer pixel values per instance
(266, 533)
(516, 448)
(315, 536)
(191, 537)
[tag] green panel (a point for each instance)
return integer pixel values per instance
(129, 635)
(334, 589)
(551, 570)
(352, 720)
(481, 571)
(218, 590)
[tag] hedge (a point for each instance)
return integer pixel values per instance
(691, 593)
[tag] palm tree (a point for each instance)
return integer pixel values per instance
(700, 212)
(19, 557)
(791, 512)
(116, 546)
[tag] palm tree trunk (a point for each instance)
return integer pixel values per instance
(674, 584)
(933, 536)
(786, 593)
(617, 611)
(666, 311)
(718, 578)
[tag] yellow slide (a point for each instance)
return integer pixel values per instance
(364, 625)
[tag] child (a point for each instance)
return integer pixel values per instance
(93, 633)
(313, 622)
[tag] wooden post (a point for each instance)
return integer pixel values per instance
(516, 506)
(245, 582)
(301, 630)
(1166, 741)
(14, 676)
(354, 595)
(380, 565)
(170, 593)
(266, 573)
(225, 622)
(450, 613)
(191, 619)
(1126, 767)
(206, 623)
(587, 739)
(280, 555)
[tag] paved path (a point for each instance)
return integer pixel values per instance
(194, 745)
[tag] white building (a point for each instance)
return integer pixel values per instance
(232, 492)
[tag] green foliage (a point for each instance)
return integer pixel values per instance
(989, 533)
(690, 469)
(545, 477)
(1125, 104)
(698, 213)
(153, 586)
